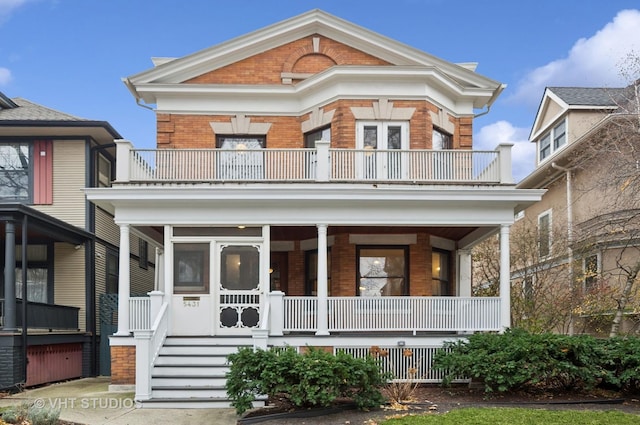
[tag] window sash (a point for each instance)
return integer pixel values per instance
(544, 230)
(15, 167)
(382, 271)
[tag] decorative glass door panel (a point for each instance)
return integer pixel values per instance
(239, 288)
(240, 158)
(384, 150)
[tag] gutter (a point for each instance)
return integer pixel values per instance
(492, 99)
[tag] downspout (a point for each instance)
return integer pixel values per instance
(567, 172)
(135, 94)
(491, 100)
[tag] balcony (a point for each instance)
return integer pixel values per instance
(44, 316)
(313, 165)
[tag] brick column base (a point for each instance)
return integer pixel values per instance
(123, 365)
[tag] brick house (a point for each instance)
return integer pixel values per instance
(47, 158)
(313, 184)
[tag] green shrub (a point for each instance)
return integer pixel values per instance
(315, 378)
(621, 363)
(31, 413)
(520, 360)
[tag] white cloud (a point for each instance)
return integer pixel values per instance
(7, 7)
(522, 153)
(592, 62)
(5, 75)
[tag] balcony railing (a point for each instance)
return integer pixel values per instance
(44, 316)
(352, 314)
(313, 165)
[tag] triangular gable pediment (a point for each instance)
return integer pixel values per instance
(315, 22)
(551, 108)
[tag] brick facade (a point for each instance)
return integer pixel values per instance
(123, 365)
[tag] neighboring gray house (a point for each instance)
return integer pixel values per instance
(70, 246)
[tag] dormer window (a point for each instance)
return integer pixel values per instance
(559, 136)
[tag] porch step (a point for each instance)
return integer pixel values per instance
(189, 372)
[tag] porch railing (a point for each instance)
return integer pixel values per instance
(352, 314)
(44, 316)
(309, 165)
(139, 313)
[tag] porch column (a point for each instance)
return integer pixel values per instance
(10, 277)
(322, 293)
(505, 279)
(464, 272)
(124, 280)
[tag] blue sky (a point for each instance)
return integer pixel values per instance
(70, 55)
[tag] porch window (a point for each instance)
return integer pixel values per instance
(36, 284)
(191, 268)
(240, 159)
(15, 159)
(311, 273)
(440, 272)
(37, 273)
(112, 273)
(382, 271)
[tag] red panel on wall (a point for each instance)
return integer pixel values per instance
(43, 172)
(54, 362)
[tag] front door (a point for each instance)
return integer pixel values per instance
(238, 288)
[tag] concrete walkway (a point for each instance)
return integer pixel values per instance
(88, 401)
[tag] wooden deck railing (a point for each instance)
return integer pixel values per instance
(313, 165)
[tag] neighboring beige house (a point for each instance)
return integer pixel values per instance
(588, 151)
(71, 248)
(314, 184)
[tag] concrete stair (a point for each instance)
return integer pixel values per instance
(189, 372)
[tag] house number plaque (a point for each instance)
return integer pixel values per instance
(191, 301)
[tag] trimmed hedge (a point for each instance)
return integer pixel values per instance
(315, 378)
(518, 360)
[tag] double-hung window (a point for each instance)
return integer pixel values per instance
(552, 141)
(590, 267)
(382, 271)
(382, 149)
(15, 165)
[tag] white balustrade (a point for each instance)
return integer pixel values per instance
(139, 313)
(211, 165)
(352, 314)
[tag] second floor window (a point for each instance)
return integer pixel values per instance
(441, 140)
(312, 137)
(552, 141)
(15, 160)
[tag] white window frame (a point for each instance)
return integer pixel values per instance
(584, 267)
(552, 139)
(548, 213)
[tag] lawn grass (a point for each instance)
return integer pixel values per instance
(518, 416)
